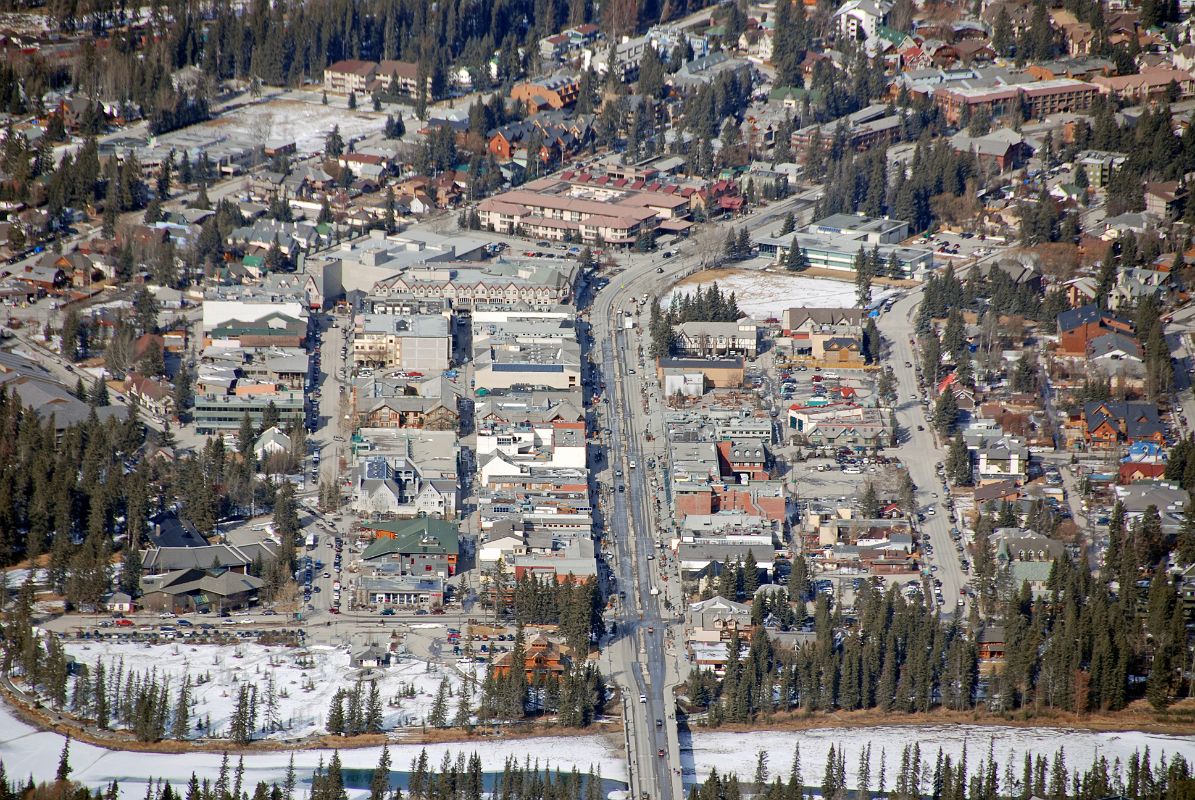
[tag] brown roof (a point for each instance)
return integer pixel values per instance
(353, 66)
(403, 69)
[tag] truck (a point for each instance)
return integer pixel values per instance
(312, 539)
(628, 322)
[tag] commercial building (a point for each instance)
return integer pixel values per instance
(422, 343)
(1038, 99)
(222, 413)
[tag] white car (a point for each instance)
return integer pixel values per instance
(642, 698)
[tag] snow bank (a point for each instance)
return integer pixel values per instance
(26, 751)
(1008, 745)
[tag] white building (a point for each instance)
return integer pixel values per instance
(861, 19)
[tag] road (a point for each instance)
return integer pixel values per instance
(642, 658)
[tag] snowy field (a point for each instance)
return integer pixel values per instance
(26, 751)
(304, 122)
(304, 679)
(765, 295)
(1008, 745)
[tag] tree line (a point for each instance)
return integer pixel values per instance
(701, 305)
(453, 778)
(1072, 648)
(940, 776)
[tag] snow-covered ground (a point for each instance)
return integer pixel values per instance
(305, 679)
(765, 295)
(731, 751)
(306, 122)
(26, 751)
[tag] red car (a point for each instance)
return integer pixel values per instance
(123, 623)
(660, 752)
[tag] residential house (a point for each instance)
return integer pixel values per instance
(1109, 423)
(543, 660)
(1077, 327)
(154, 395)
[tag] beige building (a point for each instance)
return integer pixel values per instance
(348, 76)
(422, 343)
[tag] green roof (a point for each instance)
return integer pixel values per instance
(430, 536)
(253, 261)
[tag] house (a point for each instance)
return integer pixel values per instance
(418, 547)
(1108, 423)
(154, 395)
(371, 656)
(120, 603)
(990, 643)
(543, 659)
(1077, 327)
(271, 442)
(1136, 472)
(717, 620)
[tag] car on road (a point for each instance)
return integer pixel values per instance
(659, 270)
(660, 752)
(388, 612)
(642, 698)
(183, 623)
(659, 723)
(123, 623)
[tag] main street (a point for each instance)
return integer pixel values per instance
(641, 659)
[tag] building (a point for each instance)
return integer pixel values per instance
(717, 339)
(1039, 99)
(839, 251)
(222, 413)
(861, 19)
(396, 486)
(272, 442)
(1151, 83)
(350, 75)
(722, 373)
(556, 218)
(1108, 424)
(154, 396)
(1078, 327)
(543, 660)
(422, 342)
(547, 93)
(188, 590)
(420, 547)
(380, 592)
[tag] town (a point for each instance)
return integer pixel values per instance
(639, 382)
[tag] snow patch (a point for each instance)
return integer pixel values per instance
(766, 295)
